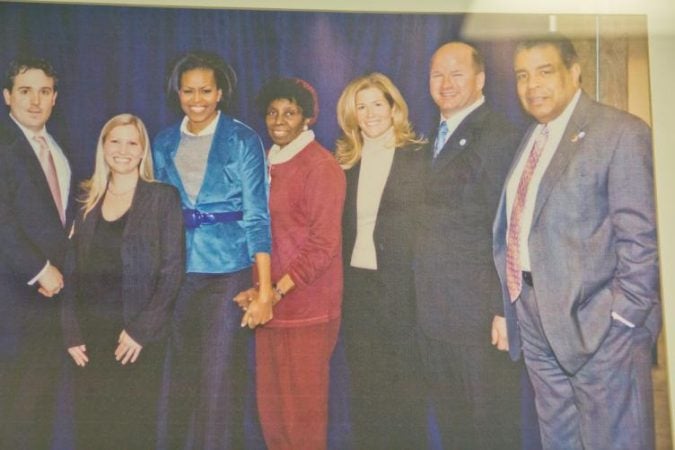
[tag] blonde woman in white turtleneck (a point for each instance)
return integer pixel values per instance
(379, 152)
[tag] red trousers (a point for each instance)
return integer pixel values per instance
(292, 370)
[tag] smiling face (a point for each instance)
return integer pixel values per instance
(285, 121)
(374, 114)
(454, 82)
(545, 85)
(31, 99)
(123, 149)
(199, 96)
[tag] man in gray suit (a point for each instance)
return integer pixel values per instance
(575, 249)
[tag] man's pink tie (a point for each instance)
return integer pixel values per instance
(49, 169)
(514, 276)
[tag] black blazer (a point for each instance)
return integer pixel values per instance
(458, 291)
(31, 234)
(393, 235)
(153, 263)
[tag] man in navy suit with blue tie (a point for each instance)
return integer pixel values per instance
(474, 388)
(35, 183)
(575, 248)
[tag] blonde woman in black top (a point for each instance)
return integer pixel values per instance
(381, 155)
(127, 260)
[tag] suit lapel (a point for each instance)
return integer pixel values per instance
(30, 160)
(389, 186)
(349, 215)
(522, 147)
(139, 205)
(353, 176)
(217, 159)
(71, 204)
(567, 148)
(501, 220)
(173, 177)
(84, 230)
(500, 223)
(461, 139)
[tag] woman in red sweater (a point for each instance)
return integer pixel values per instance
(293, 350)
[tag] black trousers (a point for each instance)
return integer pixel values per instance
(116, 405)
(475, 391)
(28, 380)
(387, 405)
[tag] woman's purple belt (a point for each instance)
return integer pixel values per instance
(193, 218)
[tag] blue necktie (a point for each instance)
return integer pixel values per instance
(441, 138)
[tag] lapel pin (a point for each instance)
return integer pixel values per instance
(579, 136)
(462, 142)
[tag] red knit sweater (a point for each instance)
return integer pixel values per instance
(306, 199)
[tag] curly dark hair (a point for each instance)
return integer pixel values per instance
(295, 90)
(226, 77)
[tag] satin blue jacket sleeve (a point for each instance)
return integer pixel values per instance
(254, 190)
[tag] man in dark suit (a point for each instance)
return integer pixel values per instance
(475, 389)
(575, 248)
(34, 190)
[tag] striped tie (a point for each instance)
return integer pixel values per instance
(514, 276)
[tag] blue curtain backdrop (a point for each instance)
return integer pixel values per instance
(114, 59)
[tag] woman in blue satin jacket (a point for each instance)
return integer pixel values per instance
(218, 165)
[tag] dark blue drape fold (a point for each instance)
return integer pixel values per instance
(114, 59)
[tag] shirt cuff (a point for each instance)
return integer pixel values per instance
(628, 323)
(37, 277)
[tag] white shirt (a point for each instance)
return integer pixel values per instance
(377, 156)
(556, 128)
(453, 121)
(209, 129)
(63, 172)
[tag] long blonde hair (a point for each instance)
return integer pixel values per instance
(94, 188)
(349, 145)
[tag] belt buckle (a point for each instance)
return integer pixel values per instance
(193, 218)
(206, 218)
(190, 218)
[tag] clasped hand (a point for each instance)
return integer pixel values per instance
(50, 282)
(257, 307)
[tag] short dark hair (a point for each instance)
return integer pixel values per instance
(293, 89)
(562, 43)
(226, 77)
(22, 64)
